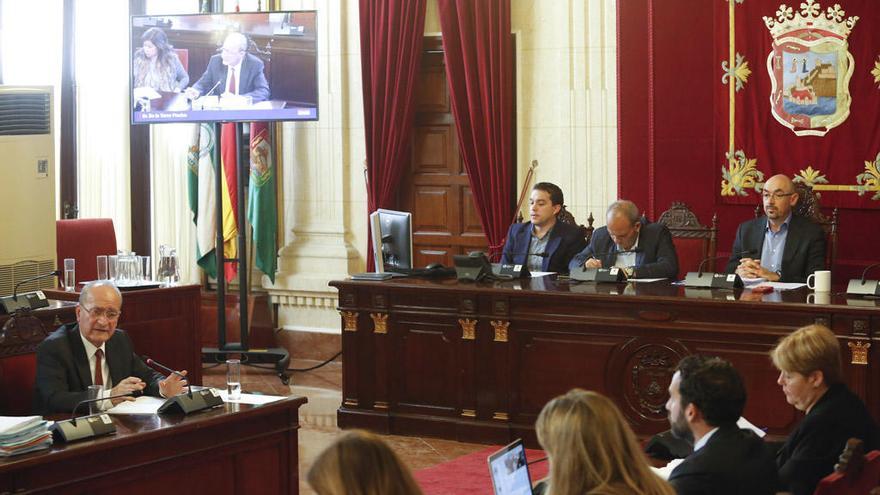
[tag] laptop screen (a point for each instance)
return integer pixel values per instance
(510, 471)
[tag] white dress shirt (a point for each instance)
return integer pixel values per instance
(105, 369)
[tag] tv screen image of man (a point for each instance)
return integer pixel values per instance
(94, 352)
(706, 398)
(233, 71)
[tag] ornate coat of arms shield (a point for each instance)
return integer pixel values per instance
(810, 67)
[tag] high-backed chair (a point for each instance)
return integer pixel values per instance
(856, 473)
(19, 336)
(694, 242)
(808, 206)
(565, 216)
(83, 239)
(183, 56)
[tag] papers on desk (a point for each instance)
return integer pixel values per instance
(540, 274)
(19, 435)
(745, 424)
(783, 285)
(665, 471)
(644, 279)
(253, 399)
(142, 405)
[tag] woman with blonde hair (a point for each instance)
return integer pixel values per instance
(810, 375)
(360, 463)
(592, 450)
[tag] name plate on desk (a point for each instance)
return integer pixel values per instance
(613, 274)
(713, 280)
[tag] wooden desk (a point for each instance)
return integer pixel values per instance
(164, 324)
(477, 362)
(234, 450)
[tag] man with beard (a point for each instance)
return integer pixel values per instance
(706, 398)
(789, 247)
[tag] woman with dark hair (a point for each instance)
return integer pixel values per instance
(156, 65)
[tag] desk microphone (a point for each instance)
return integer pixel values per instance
(89, 401)
(863, 286)
(212, 89)
(154, 364)
(739, 254)
(56, 273)
(32, 300)
(90, 426)
(189, 402)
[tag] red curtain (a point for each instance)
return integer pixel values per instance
(479, 70)
(391, 50)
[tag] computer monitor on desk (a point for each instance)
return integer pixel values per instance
(392, 240)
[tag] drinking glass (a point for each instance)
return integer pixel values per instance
(69, 274)
(101, 261)
(143, 263)
(233, 379)
(113, 267)
(95, 393)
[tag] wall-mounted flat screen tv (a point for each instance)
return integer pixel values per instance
(225, 67)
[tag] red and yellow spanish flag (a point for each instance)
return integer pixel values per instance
(229, 157)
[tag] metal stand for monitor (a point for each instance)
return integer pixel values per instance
(276, 355)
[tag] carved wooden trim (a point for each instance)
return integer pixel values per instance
(860, 327)
(380, 322)
(468, 328)
(468, 413)
(349, 321)
(859, 352)
(500, 330)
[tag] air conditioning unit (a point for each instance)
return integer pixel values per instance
(27, 187)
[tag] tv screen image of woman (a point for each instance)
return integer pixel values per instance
(156, 65)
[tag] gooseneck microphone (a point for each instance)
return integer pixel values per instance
(739, 254)
(154, 364)
(89, 401)
(865, 272)
(212, 89)
(56, 273)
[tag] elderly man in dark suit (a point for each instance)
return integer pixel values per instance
(233, 71)
(706, 398)
(781, 246)
(94, 352)
(543, 243)
(629, 241)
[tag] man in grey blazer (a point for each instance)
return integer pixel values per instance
(91, 352)
(780, 246)
(247, 78)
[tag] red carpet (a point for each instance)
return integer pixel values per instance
(469, 474)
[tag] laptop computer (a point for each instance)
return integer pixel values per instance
(510, 471)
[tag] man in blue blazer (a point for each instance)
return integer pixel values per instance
(781, 246)
(629, 241)
(543, 243)
(247, 77)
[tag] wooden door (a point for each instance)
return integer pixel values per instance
(434, 186)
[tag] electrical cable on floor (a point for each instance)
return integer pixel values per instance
(298, 369)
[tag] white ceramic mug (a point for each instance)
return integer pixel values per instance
(821, 281)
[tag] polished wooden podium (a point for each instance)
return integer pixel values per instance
(477, 362)
(235, 449)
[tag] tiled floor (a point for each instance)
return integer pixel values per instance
(318, 417)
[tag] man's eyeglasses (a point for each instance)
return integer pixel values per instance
(110, 314)
(776, 195)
